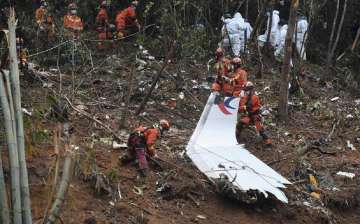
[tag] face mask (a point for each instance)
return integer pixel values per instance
(73, 12)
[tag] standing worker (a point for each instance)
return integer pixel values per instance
(240, 77)
(301, 36)
(126, 20)
(45, 22)
(249, 114)
(141, 143)
(222, 67)
(103, 26)
(72, 22)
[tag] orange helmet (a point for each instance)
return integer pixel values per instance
(219, 52)
(72, 6)
(164, 124)
(236, 61)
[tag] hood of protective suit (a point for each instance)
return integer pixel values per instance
(237, 16)
(276, 12)
(284, 27)
(227, 21)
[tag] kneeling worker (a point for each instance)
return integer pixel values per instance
(249, 113)
(141, 143)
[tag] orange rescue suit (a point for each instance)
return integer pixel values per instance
(222, 68)
(102, 22)
(151, 135)
(126, 18)
(239, 80)
(250, 107)
(73, 24)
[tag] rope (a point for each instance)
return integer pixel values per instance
(50, 49)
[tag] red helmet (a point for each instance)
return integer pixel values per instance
(219, 52)
(72, 6)
(164, 124)
(236, 61)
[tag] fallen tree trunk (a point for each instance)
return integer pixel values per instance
(63, 187)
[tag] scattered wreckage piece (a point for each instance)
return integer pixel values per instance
(214, 150)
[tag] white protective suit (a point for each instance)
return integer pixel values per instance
(279, 51)
(275, 31)
(301, 36)
(234, 29)
(280, 47)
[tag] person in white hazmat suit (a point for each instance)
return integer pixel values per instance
(301, 36)
(280, 46)
(225, 43)
(274, 33)
(233, 33)
(247, 33)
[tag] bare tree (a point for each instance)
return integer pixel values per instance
(331, 50)
(284, 93)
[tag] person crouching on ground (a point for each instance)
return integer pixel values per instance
(249, 114)
(141, 143)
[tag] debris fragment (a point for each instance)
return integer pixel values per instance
(25, 111)
(334, 99)
(116, 145)
(350, 146)
(346, 174)
(201, 217)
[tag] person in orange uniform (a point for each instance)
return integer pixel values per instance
(72, 22)
(103, 26)
(222, 67)
(45, 21)
(126, 20)
(22, 53)
(240, 77)
(141, 143)
(249, 113)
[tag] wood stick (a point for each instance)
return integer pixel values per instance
(156, 79)
(87, 115)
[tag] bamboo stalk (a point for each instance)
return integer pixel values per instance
(63, 187)
(57, 136)
(25, 194)
(13, 156)
(4, 207)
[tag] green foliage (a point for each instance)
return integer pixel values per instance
(112, 175)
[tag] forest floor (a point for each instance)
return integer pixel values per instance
(299, 146)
